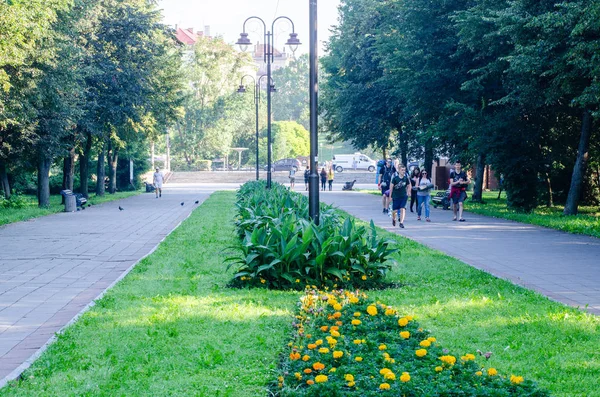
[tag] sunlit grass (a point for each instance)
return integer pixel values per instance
(31, 209)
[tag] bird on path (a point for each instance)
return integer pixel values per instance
(121, 208)
(196, 202)
(182, 203)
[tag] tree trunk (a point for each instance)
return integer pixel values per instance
(550, 202)
(4, 180)
(185, 153)
(100, 173)
(479, 175)
(580, 165)
(84, 162)
(403, 147)
(43, 185)
(113, 157)
(429, 157)
(68, 171)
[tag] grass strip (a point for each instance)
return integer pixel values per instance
(170, 328)
(31, 210)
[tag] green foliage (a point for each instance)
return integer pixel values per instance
(281, 248)
(14, 201)
(291, 103)
(289, 139)
(388, 344)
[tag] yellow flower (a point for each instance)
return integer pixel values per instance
(492, 372)
(262, 280)
(318, 366)
(421, 353)
(382, 347)
(323, 350)
(384, 371)
(386, 355)
(324, 328)
(306, 357)
(405, 377)
(332, 369)
(364, 277)
(294, 356)
(438, 369)
(349, 378)
(354, 300)
(358, 358)
(384, 386)
(297, 280)
(425, 343)
(311, 346)
(356, 314)
(405, 334)
(478, 373)
(335, 333)
(319, 342)
(321, 378)
(431, 339)
(409, 318)
(468, 357)
(338, 323)
(516, 379)
(351, 384)
(338, 354)
(356, 322)
(372, 310)
(310, 382)
(298, 375)
(403, 322)
(337, 307)
(390, 312)
(389, 376)
(450, 360)
(357, 341)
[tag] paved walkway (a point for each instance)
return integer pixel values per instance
(562, 266)
(51, 268)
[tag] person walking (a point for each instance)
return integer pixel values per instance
(424, 187)
(414, 180)
(306, 177)
(157, 180)
(292, 177)
(323, 176)
(386, 172)
(330, 177)
(400, 187)
(459, 181)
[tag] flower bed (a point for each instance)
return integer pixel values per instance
(282, 249)
(347, 345)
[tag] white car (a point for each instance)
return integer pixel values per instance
(354, 161)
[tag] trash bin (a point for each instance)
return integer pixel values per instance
(70, 203)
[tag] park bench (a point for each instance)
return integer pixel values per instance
(73, 200)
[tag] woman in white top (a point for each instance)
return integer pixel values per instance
(424, 187)
(157, 181)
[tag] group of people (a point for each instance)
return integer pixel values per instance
(397, 187)
(326, 176)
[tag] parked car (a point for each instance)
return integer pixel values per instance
(284, 165)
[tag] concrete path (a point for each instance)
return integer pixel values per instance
(51, 268)
(562, 266)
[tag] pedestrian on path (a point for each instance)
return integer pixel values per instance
(330, 177)
(323, 176)
(458, 190)
(414, 181)
(292, 177)
(424, 187)
(386, 172)
(400, 188)
(306, 177)
(157, 180)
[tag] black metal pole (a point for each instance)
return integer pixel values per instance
(256, 94)
(269, 144)
(313, 189)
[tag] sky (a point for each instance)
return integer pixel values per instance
(226, 18)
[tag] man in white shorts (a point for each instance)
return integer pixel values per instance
(157, 180)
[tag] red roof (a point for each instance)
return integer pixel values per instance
(187, 36)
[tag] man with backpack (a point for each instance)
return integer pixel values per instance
(399, 190)
(386, 172)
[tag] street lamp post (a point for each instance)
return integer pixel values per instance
(313, 187)
(242, 90)
(269, 55)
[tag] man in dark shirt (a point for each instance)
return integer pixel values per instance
(458, 190)
(386, 172)
(400, 188)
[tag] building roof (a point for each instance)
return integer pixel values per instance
(259, 51)
(187, 36)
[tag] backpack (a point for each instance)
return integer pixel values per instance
(387, 176)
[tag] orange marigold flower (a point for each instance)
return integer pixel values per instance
(310, 382)
(338, 354)
(335, 328)
(403, 322)
(318, 366)
(307, 370)
(311, 346)
(405, 334)
(324, 328)
(405, 377)
(337, 315)
(339, 323)
(294, 356)
(421, 353)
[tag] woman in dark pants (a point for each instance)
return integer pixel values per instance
(323, 176)
(414, 180)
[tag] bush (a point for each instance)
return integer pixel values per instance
(198, 165)
(281, 248)
(14, 201)
(346, 345)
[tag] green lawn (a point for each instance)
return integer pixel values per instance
(171, 327)
(31, 209)
(586, 222)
